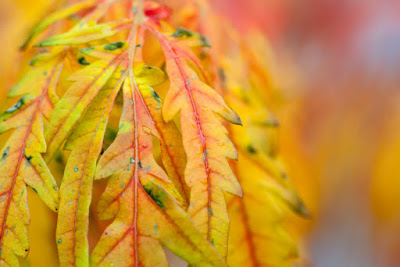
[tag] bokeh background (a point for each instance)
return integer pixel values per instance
(336, 66)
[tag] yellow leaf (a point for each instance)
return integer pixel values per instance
(87, 34)
(76, 188)
(257, 236)
(21, 162)
(58, 15)
(88, 82)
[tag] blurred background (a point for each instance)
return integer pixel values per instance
(336, 66)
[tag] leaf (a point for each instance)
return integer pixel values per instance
(138, 196)
(87, 34)
(172, 154)
(183, 41)
(21, 163)
(56, 16)
(257, 140)
(206, 145)
(257, 236)
(76, 188)
(88, 82)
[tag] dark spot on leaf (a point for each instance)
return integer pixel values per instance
(251, 149)
(210, 211)
(29, 158)
(5, 153)
(156, 97)
(33, 61)
(110, 134)
(204, 41)
(34, 190)
(156, 197)
(59, 241)
(140, 165)
(114, 46)
(82, 60)
(17, 106)
(181, 32)
(222, 75)
(58, 157)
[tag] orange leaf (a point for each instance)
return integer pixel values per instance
(206, 144)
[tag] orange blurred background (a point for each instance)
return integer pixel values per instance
(337, 68)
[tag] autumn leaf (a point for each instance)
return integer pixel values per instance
(138, 195)
(88, 82)
(76, 188)
(56, 16)
(206, 145)
(87, 34)
(257, 235)
(21, 162)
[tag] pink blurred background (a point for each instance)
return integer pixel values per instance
(347, 55)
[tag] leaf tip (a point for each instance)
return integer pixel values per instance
(235, 119)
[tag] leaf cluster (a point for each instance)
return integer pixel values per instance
(133, 92)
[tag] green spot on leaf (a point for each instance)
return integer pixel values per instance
(182, 32)
(82, 60)
(251, 149)
(5, 153)
(157, 198)
(114, 46)
(156, 97)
